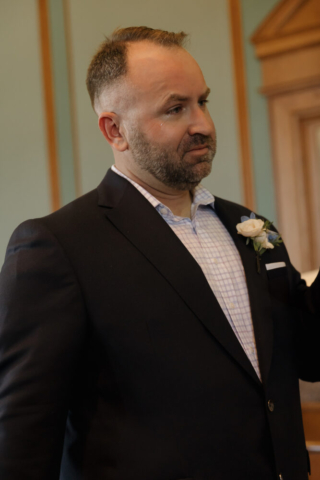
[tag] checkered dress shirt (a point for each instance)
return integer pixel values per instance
(212, 247)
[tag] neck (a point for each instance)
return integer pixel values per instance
(178, 201)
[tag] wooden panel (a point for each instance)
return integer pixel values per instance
(296, 67)
(311, 421)
(315, 465)
(242, 110)
(306, 17)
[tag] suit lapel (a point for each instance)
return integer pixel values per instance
(142, 225)
(260, 303)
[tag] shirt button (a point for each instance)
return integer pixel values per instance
(215, 261)
(163, 210)
(270, 405)
(232, 305)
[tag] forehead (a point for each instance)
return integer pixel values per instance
(156, 70)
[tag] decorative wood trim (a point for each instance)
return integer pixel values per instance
(49, 103)
(241, 98)
(288, 28)
(72, 96)
(287, 111)
(309, 128)
(276, 19)
(291, 42)
(290, 87)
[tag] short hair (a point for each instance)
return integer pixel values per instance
(110, 61)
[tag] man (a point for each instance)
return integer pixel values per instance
(138, 340)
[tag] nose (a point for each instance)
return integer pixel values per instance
(201, 122)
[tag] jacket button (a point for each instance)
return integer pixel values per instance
(280, 477)
(271, 408)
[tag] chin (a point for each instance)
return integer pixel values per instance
(202, 169)
(192, 178)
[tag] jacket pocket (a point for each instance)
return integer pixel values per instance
(279, 286)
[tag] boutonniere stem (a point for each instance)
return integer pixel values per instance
(260, 234)
(258, 263)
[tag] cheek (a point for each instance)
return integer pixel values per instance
(171, 137)
(164, 133)
(171, 133)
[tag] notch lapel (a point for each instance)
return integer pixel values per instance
(132, 214)
(257, 283)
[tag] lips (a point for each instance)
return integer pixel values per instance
(198, 147)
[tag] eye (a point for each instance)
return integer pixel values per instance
(202, 103)
(175, 110)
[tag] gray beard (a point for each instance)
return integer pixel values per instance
(169, 167)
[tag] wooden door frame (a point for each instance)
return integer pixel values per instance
(287, 112)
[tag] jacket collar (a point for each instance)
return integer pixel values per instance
(142, 225)
(257, 283)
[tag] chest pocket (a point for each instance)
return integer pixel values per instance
(279, 286)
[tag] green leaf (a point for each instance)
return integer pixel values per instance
(267, 225)
(256, 246)
(277, 242)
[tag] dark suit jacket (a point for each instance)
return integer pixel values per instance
(116, 356)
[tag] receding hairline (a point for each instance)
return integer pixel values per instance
(111, 88)
(109, 64)
(115, 90)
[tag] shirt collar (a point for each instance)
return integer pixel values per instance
(201, 196)
(153, 200)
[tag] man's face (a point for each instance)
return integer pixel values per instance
(169, 130)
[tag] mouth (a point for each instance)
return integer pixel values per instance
(199, 149)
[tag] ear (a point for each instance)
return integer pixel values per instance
(109, 125)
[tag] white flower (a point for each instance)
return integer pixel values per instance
(251, 228)
(263, 240)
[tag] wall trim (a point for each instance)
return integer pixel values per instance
(242, 108)
(288, 87)
(49, 104)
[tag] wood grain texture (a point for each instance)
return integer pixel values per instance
(292, 24)
(49, 104)
(242, 109)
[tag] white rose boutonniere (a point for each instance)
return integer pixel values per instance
(259, 233)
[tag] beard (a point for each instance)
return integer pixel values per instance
(171, 167)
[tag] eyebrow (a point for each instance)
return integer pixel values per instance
(180, 98)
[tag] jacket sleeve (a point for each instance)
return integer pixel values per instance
(306, 303)
(42, 332)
